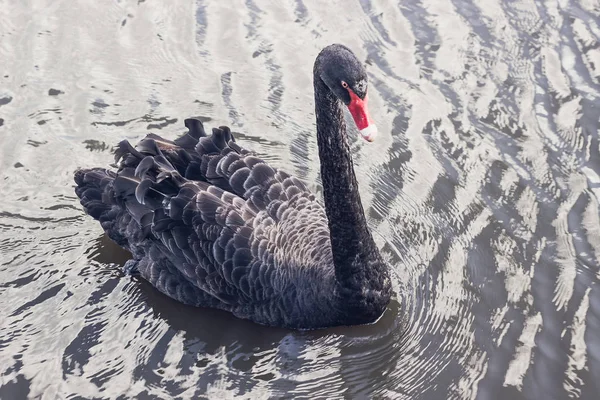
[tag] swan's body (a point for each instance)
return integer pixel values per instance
(212, 225)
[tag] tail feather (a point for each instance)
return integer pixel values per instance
(92, 189)
(96, 194)
(155, 180)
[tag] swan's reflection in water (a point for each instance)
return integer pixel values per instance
(218, 350)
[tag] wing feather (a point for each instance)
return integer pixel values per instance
(211, 222)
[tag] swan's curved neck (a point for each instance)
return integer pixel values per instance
(352, 244)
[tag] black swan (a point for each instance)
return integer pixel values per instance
(212, 225)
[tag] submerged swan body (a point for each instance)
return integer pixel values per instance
(212, 225)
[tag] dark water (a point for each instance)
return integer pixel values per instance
(482, 190)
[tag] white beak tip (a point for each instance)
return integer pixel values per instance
(369, 133)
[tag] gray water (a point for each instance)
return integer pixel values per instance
(482, 191)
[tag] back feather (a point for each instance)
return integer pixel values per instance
(208, 220)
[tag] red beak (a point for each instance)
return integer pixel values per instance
(360, 114)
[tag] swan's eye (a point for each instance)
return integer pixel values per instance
(344, 85)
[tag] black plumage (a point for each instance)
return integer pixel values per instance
(211, 224)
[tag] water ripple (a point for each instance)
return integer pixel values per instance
(482, 194)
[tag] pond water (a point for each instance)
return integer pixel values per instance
(482, 191)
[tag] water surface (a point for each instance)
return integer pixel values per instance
(482, 191)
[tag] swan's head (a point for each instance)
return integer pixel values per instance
(346, 77)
